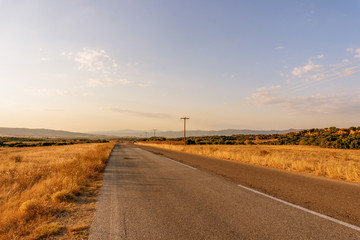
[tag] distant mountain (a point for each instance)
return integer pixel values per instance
(45, 133)
(190, 133)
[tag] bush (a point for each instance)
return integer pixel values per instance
(64, 196)
(264, 153)
(31, 208)
(190, 142)
(230, 142)
(47, 230)
(46, 144)
(17, 158)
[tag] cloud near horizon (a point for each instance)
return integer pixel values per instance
(139, 113)
(315, 104)
(93, 83)
(49, 92)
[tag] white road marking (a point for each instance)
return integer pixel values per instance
(170, 160)
(180, 163)
(304, 209)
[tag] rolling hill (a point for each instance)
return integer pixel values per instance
(190, 133)
(46, 133)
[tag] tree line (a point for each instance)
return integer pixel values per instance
(342, 138)
(41, 142)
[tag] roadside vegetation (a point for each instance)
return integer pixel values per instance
(42, 189)
(344, 138)
(39, 142)
(332, 163)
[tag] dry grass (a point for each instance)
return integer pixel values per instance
(37, 185)
(47, 230)
(332, 163)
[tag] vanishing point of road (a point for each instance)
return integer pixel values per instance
(151, 196)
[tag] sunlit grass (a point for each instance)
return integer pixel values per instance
(332, 163)
(47, 230)
(37, 183)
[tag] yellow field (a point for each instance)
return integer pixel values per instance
(333, 163)
(38, 184)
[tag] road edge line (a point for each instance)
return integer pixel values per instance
(172, 160)
(180, 163)
(303, 209)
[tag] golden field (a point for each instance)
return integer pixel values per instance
(40, 185)
(332, 163)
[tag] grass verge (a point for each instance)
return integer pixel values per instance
(41, 186)
(332, 163)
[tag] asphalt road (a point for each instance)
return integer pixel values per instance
(149, 196)
(338, 199)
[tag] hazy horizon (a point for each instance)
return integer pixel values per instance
(86, 66)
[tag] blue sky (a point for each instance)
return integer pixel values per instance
(106, 65)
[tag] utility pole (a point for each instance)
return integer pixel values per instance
(154, 132)
(185, 118)
(145, 134)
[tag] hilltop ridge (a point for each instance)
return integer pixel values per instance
(45, 133)
(190, 133)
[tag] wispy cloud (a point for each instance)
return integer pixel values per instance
(139, 113)
(319, 103)
(283, 74)
(132, 64)
(95, 60)
(49, 92)
(279, 47)
(321, 56)
(143, 85)
(66, 54)
(314, 74)
(355, 51)
(104, 68)
(44, 59)
(357, 55)
(336, 72)
(269, 88)
(93, 83)
(308, 68)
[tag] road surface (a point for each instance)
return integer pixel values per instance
(338, 199)
(149, 196)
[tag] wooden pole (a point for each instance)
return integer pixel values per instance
(185, 118)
